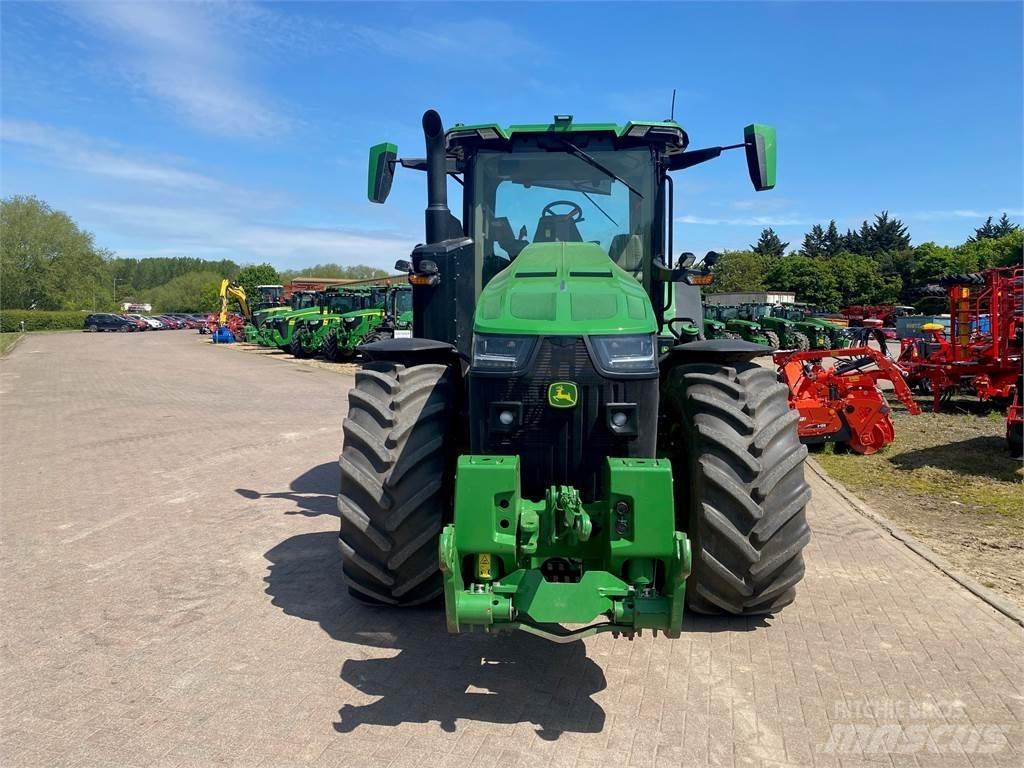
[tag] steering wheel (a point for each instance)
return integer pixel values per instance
(575, 215)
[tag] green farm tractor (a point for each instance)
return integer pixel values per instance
(821, 333)
(544, 451)
(277, 330)
(345, 317)
(782, 333)
(726, 317)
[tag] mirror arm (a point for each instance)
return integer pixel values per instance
(694, 157)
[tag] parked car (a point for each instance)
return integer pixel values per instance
(188, 320)
(142, 323)
(106, 322)
(171, 322)
(154, 323)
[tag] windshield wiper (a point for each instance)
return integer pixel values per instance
(592, 161)
(593, 202)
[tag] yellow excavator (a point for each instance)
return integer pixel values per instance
(229, 329)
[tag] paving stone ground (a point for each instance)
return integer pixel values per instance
(171, 597)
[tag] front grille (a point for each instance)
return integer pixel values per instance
(562, 445)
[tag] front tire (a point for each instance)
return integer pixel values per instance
(802, 342)
(742, 496)
(395, 491)
(296, 346)
(332, 351)
(773, 339)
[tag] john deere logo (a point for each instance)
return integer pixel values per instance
(563, 394)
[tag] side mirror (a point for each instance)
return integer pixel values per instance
(381, 171)
(403, 266)
(759, 143)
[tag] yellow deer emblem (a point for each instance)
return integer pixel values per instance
(562, 394)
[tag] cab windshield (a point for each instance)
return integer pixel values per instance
(403, 302)
(598, 196)
(338, 305)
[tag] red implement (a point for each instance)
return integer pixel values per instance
(843, 404)
(982, 353)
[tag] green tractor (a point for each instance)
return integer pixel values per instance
(727, 317)
(782, 333)
(345, 317)
(820, 332)
(528, 452)
(277, 330)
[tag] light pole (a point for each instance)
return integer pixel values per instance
(115, 290)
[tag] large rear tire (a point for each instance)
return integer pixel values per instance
(741, 493)
(395, 490)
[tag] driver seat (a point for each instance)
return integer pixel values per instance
(557, 228)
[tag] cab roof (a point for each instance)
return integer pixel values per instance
(666, 134)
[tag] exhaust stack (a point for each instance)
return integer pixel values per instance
(437, 213)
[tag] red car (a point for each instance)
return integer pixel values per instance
(140, 324)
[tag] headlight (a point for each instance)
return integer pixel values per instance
(350, 322)
(624, 354)
(501, 353)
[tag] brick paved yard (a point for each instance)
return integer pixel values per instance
(171, 597)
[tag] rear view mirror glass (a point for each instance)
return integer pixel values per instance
(381, 171)
(759, 141)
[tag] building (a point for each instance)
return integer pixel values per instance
(750, 297)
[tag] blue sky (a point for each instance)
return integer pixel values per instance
(241, 130)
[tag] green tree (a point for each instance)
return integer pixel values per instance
(883, 235)
(812, 280)
(339, 271)
(932, 262)
(256, 274)
(191, 292)
(769, 244)
(1004, 251)
(821, 242)
(47, 261)
(738, 271)
(859, 280)
(990, 231)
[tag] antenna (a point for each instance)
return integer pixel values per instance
(672, 116)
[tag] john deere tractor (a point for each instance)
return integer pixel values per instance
(780, 331)
(277, 330)
(728, 317)
(345, 317)
(544, 451)
(812, 322)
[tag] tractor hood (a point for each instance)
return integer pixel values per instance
(564, 289)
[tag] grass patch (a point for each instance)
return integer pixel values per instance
(949, 480)
(6, 340)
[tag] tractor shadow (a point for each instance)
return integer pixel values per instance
(314, 492)
(981, 456)
(434, 676)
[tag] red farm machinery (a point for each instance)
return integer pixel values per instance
(843, 404)
(982, 352)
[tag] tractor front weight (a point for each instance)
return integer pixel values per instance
(511, 563)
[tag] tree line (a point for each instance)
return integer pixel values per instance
(874, 264)
(47, 262)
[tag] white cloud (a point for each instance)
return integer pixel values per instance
(203, 232)
(959, 213)
(180, 54)
(68, 149)
(744, 221)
